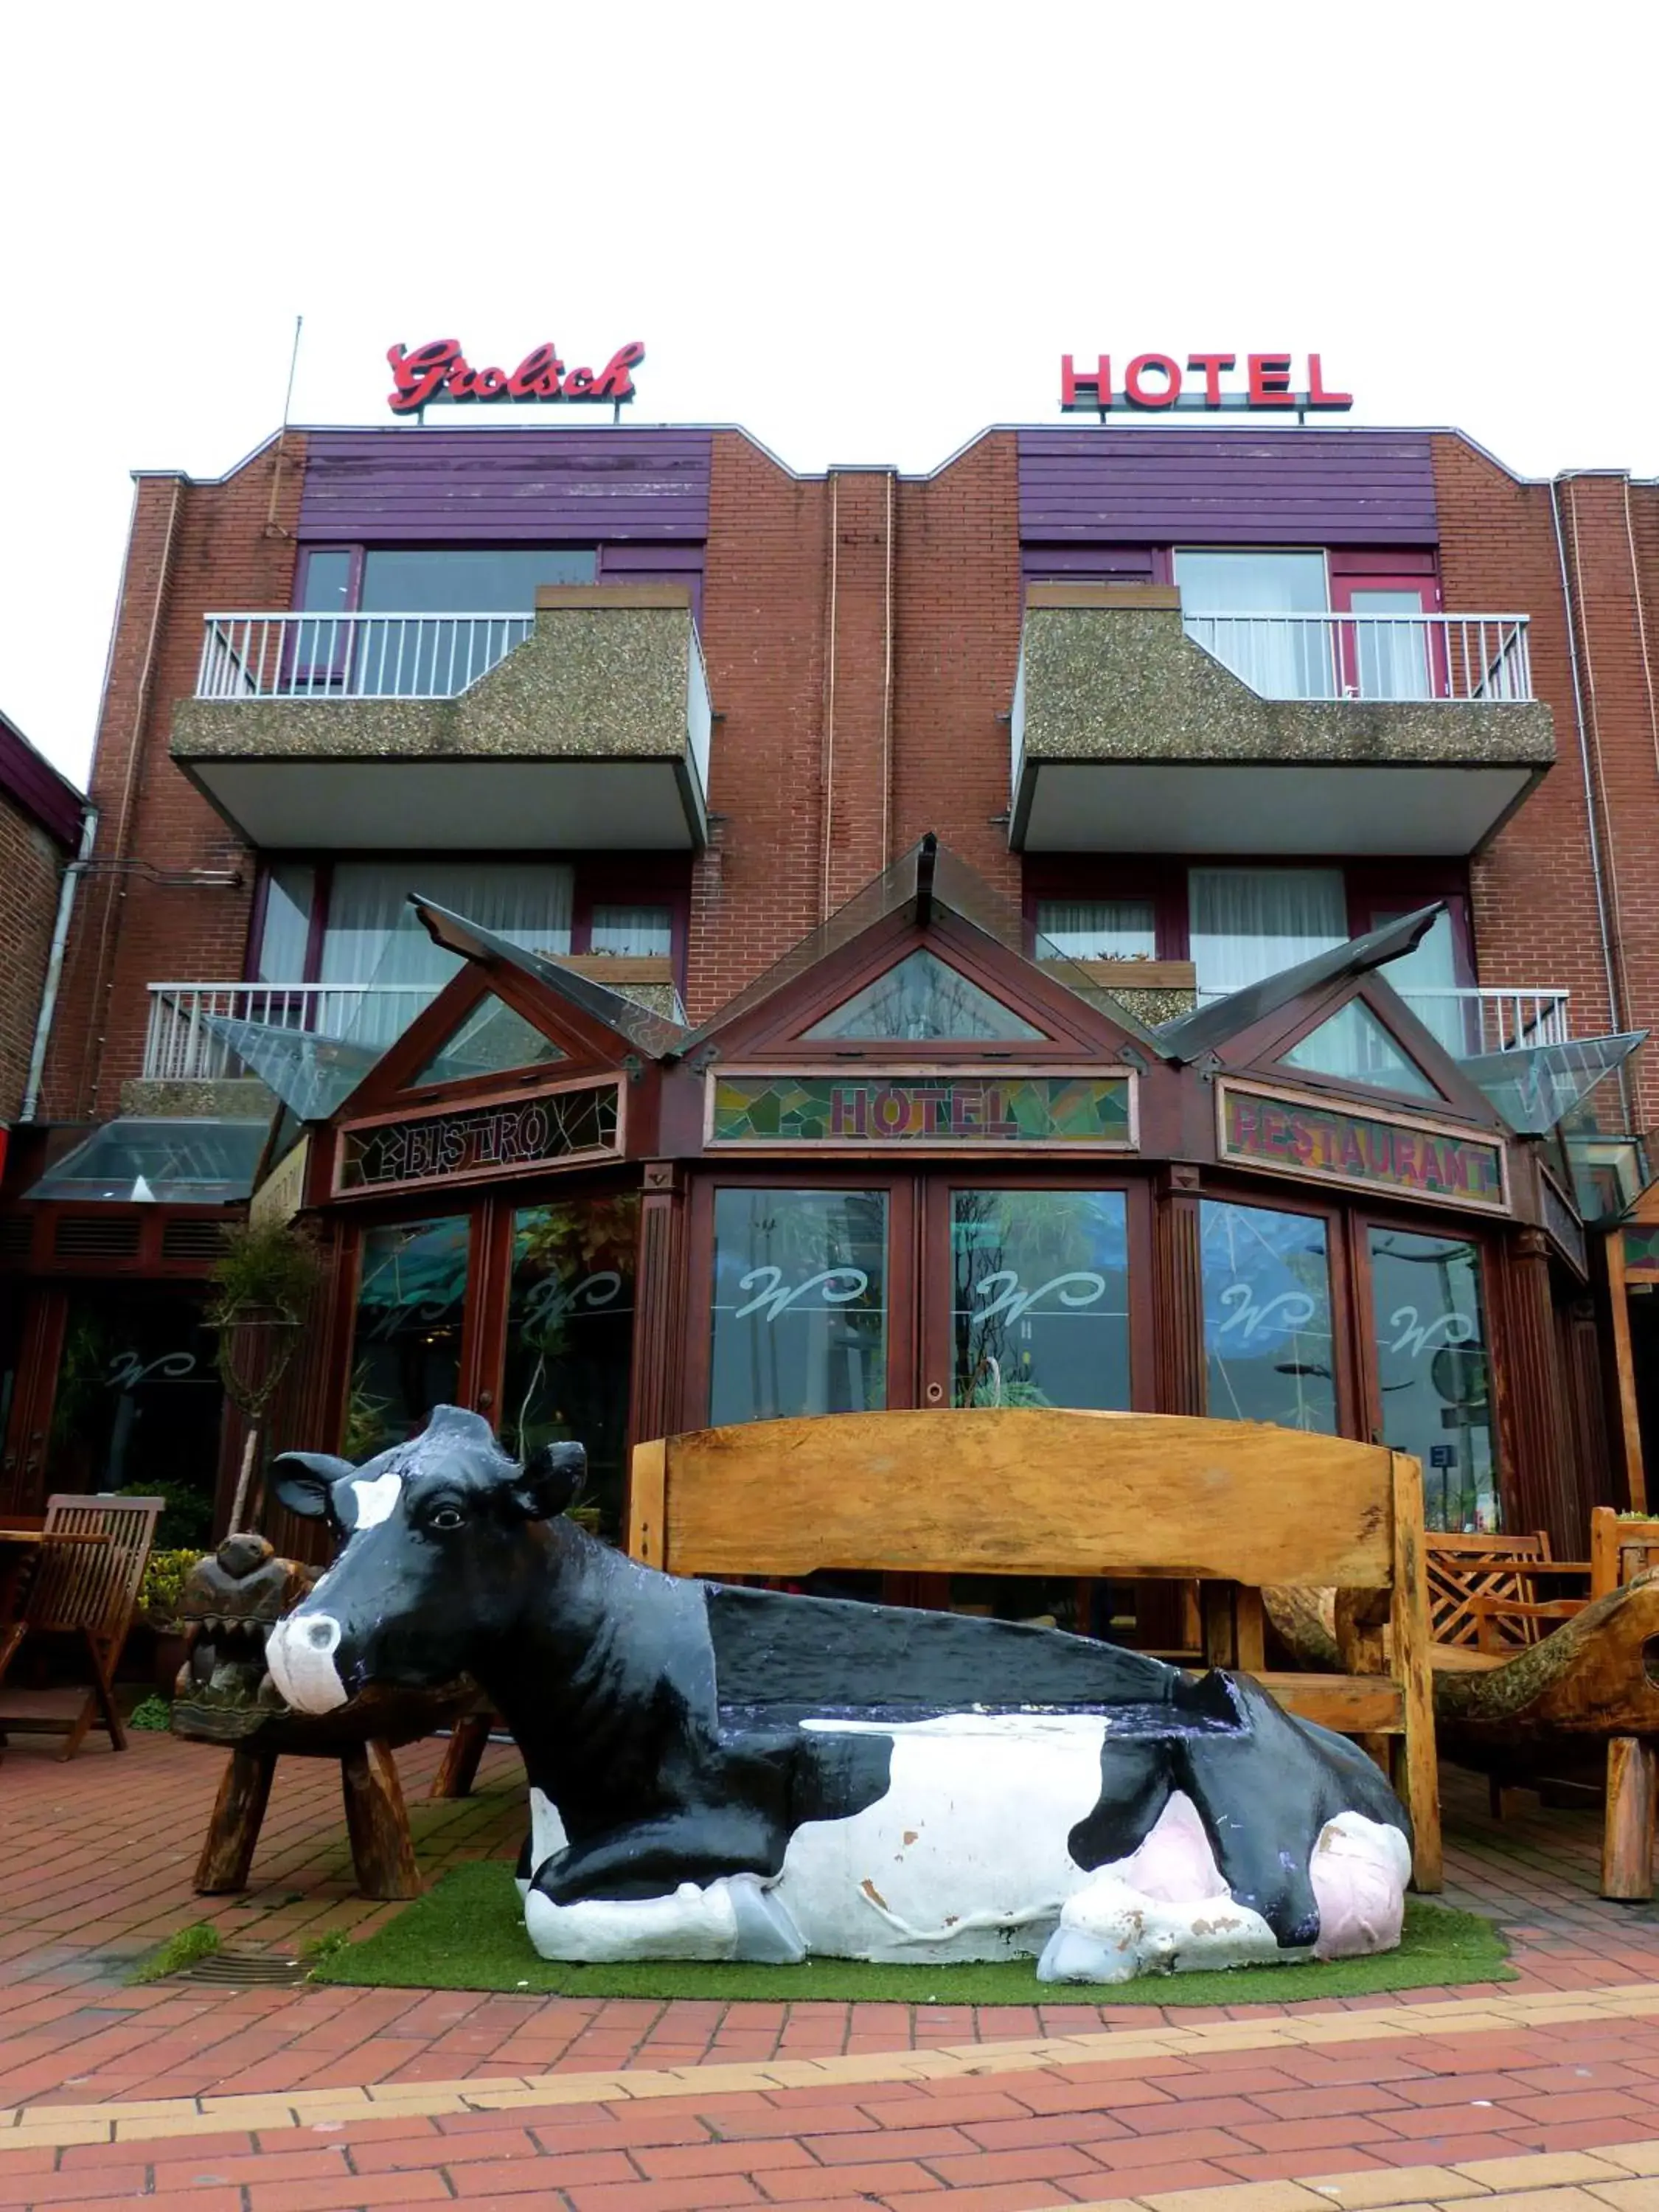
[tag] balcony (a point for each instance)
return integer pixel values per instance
(201, 1041)
(583, 727)
(1135, 729)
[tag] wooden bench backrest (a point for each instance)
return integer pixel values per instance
(1621, 1547)
(1032, 1491)
(1463, 1568)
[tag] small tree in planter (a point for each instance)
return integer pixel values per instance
(264, 1282)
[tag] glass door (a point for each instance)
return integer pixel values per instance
(809, 1299)
(1034, 1303)
(1390, 649)
(1432, 1370)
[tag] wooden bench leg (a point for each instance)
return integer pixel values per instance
(382, 1852)
(1627, 1829)
(233, 1830)
(465, 1747)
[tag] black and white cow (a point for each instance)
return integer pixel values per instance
(722, 1773)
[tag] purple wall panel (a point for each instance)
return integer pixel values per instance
(1224, 487)
(1085, 564)
(489, 486)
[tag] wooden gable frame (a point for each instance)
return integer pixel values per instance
(1071, 1029)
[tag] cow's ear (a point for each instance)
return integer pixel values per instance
(550, 1482)
(304, 1482)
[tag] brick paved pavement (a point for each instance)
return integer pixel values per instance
(435, 2095)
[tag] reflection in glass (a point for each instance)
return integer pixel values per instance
(1096, 929)
(1040, 1307)
(922, 1000)
(800, 1304)
(1268, 1341)
(1354, 1045)
(1433, 1371)
(570, 1337)
(406, 1352)
(494, 1039)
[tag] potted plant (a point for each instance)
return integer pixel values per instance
(263, 1283)
(166, 1574)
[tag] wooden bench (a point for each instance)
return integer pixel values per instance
(1235, 1506)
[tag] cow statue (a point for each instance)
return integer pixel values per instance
(738, 1773)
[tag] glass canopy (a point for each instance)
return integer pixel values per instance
(183, 1162)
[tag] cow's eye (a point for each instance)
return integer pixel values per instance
(445, 1518)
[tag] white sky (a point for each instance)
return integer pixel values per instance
(861, 231)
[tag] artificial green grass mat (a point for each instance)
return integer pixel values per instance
(467, 1932)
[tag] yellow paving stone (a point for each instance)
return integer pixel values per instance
(1540, 2200)
(1240, 2197)
(1372, 2191)
(1628, 2195)
(273, 2111)
(403, 2093)
(1544, 2169)
(57, 2138)
(1633, 2157)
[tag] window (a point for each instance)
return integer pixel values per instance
(922, 1001)
(450, 580)
(285, 929)
(1247, 923)
(377, 966)
(1354, 1046)
(636, 933)
(495, 1039)
(406, 1351)
(1096, 929)
(800, 1304)
(570, 1337)
(1268, 1341)
(1433, 1375)
(1252, 609)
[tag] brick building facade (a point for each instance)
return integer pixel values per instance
(873, 672)
(40, 815)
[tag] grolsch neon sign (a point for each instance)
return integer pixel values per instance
(425, 375)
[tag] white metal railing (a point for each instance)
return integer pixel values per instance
(182, 1042)
(1468, 1019)
(1471, 658)
(305, 656)
(1474, 1019)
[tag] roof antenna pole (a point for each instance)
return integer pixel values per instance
(273, 528)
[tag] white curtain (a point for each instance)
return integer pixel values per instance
(1095, 929)
(1391, 657)
(374, 939)
(1278, 660)
(1246, 923)
(637, 932)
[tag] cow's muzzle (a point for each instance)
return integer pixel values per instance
(300, 1653)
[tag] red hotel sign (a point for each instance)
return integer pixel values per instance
(1158, 380)
(1301, 1136)
(438, 371)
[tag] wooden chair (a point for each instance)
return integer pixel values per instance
(1483, 1592)
(1233, 1505)
(86, 1588)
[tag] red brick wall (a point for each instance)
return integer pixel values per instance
(31, 869)
(194, 549)
(927, 591)
(765, 602)
(959, 605)
(1535, 909)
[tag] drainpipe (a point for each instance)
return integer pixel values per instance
(72, 875)
(1615, 996)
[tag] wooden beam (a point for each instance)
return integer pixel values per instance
(647, 1491)
(1623, 1365)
